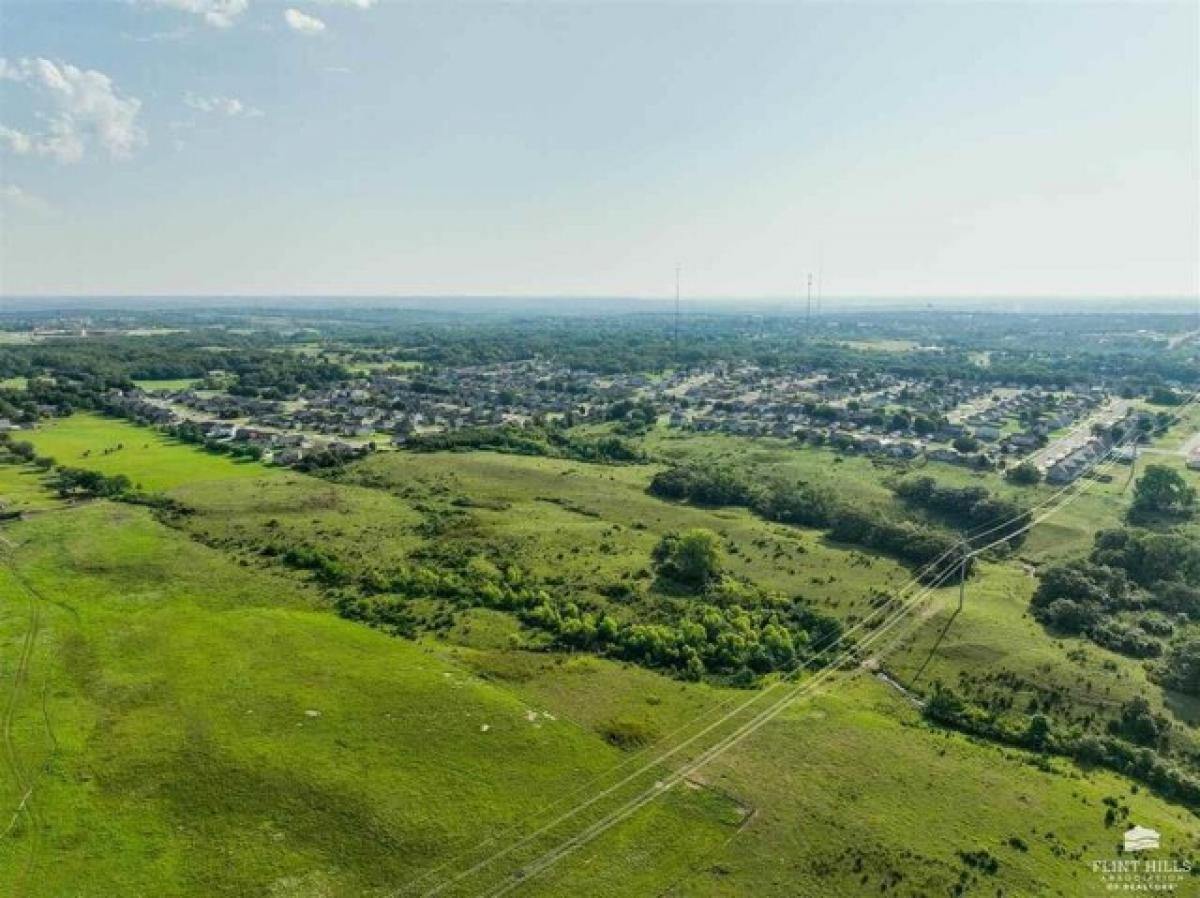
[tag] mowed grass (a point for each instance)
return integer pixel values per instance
(148, 458)
(191, 727)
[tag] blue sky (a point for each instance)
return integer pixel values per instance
(569, 148)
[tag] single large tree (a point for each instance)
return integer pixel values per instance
(692, 558)
(1163, 491)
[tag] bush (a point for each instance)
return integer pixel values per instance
(628, 734)
(1026, 474)
(703, 486)
(1125, 639)
(1181, 669)
(1140, 725)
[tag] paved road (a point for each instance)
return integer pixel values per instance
(1080, 433)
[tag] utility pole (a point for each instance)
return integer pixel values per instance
(962, 582)
(962, 574)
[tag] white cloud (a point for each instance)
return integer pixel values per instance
(14, 197)
(218, 13)
(85, 108)
(17, 141)
(357, 4)
(298, 21)
(230, 106)
(175, 34)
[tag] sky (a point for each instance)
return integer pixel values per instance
(371, 147)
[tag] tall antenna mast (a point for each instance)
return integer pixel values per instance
(808, 312)
(676, 312)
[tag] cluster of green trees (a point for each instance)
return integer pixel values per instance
(806, 505)
(78, 482)
(1128, 748)
(260, 364)
(58, 395)
(728, 629)
(1052, 351)
(967, 507)
(1164, 395)
(734, 640)
(20, 450)
(633, 416)
(549, 441)
(1126, 593)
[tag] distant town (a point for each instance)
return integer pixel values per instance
(984, 425)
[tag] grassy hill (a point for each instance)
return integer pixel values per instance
(193, 718)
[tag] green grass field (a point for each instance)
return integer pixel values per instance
(22, 488)
(148, 458)
(190, 727)
(189, 717)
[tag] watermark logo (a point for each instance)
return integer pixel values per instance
(1141, 873)
(1141, 838)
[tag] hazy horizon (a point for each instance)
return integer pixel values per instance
(611, 305)
(907, 150)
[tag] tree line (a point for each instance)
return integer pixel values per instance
(797, 502)
(547, 440)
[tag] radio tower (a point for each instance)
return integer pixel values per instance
(677, 313)
(808, 311)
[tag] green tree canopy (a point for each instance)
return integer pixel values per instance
(1162, 490)
(692, 558)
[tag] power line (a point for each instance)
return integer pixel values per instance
(1028, 522)
(1025, 518)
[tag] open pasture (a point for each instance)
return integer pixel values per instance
(155, 461)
